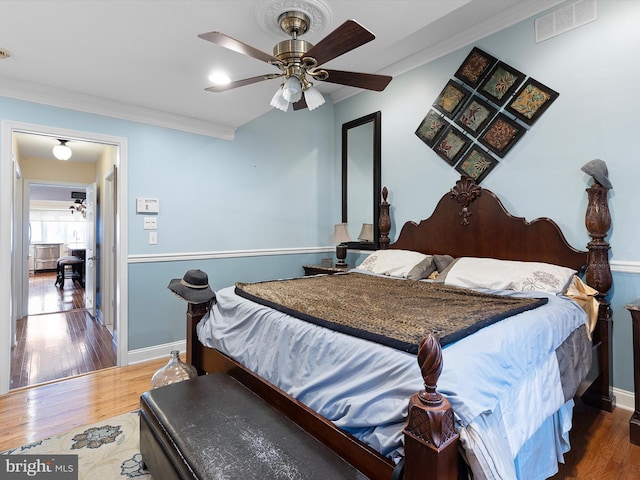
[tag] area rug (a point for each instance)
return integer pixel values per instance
(106, 450)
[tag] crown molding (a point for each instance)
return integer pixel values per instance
(503, 19)
(38, 93)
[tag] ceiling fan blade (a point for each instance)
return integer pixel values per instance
(300, 104)
(242, 83)
(367, 81)
(237, 46)
(346, 37)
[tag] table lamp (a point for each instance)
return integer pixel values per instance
(340, 237)
(366, 233)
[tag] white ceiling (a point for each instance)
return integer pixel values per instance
(142, 59)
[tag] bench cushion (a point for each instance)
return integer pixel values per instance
(214, 427)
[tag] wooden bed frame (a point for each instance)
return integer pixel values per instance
(468, 221)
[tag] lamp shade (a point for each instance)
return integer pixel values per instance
(366, 233)
(341, 233)
(279, 102)
(313, 98)
(62, 151)
(292, 90)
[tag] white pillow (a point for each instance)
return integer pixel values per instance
(395, 263)
(490, 273)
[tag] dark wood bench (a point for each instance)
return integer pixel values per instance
(215, 427)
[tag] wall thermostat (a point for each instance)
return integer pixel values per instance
(147, 205)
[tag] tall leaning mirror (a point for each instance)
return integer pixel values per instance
(361, 165)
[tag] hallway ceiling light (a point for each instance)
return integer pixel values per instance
(62, 151)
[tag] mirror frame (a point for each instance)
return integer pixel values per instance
(376, 120)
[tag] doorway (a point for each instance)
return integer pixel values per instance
(14, 244)
(57, 235)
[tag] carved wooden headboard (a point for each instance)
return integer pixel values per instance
(470, 221)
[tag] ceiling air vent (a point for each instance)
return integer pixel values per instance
(565, 19)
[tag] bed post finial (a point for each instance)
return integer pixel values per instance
(384, 221)
(431, 440)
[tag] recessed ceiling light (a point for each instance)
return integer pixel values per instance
(219, 78)
(4, 53)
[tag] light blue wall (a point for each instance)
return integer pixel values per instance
(265, 189)
(594, 70)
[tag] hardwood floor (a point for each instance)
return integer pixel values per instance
(600, 447)
(58, 339)
(32, 413)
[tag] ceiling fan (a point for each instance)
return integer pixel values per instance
(299, 61)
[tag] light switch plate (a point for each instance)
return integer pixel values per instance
(153, 238)
(150, 223)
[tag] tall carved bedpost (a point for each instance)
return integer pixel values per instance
(598, 276)
(430, 437)
(384, 221)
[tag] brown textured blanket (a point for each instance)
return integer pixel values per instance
(396, 313)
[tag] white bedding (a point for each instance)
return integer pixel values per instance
(490, 378)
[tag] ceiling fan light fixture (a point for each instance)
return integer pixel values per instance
(62, 151)
(278, 100)
(292, 90)
(313, 98)
(219, 78)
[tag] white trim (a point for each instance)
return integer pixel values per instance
(6, 206)
(625, 267)
(500, 21)
(57, 97)
(178, 257)
(616, 266)
(624, 399)
(157, 351)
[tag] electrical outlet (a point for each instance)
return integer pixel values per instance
(153, 238)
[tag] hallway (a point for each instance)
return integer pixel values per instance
(59, 338)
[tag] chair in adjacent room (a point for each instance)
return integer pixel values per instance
(69, 267)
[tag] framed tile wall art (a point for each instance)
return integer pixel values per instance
(501, 82)
(475, 115)
(475, 67)
(482, 112)
(531, 101)
(451, 98)
(451, 145)
(476, 163)
(501, 135)
(431, 127)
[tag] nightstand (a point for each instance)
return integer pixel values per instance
(318, 269)
(634, 422)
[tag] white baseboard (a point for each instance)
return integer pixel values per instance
(624, 399)
(157, 351)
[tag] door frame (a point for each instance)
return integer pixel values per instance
(11, 259)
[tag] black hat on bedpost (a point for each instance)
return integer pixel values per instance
(598, 170)
(193, 287)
